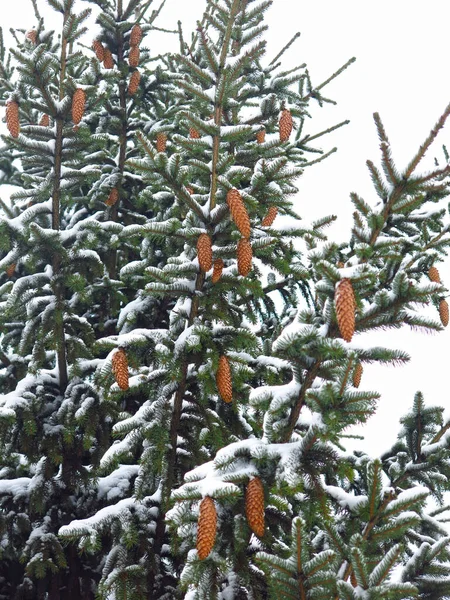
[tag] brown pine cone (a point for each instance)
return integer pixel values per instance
(120, 368)
(206, 527)
(113, 197)
(161, 141)
(217, 271)
(99, 50)
(133, 56)
(357, 374)
(345, 304)
(204, 252)
(270, 216)
(238, 212)
(443, 312)
(45, 121)
(78, 104)
(261, 136)
(193, 133)
(12, 118)
(108, 60)
(31, 35)
(286, 125)
(433, 274)
(10, 269)
(133, 86)
(136, 35)
(254, 506)
(190, 190)
(244, 257)
(224, 381)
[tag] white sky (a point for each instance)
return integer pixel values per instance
(402, 71)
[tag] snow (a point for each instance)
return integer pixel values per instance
(345, 499)
(117, 484)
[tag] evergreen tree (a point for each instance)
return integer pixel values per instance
(180, 352)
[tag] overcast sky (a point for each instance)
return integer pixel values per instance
(402, 71)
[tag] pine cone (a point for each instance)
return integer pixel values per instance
(134, 82)
(120, 368)
(270, 217)
(286, 125)
(190, 190)
(133, 56)
(254, 506)
(261, 136)
(161, 141)
(433, 274)
(12, 118)
(113, 197)
(238, 212)
(78, 104)
(344, 302)
(217, 271)
(206, 527)
(10, 269)
(244, 257)
(204, 252)
(443, 312)
(223, 380)
(193, 133)
(357, 374)
(108, 60)
(136, 35)
(45, 121)
(99, 50)
(31, 35)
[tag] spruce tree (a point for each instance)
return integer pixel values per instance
(180, 351)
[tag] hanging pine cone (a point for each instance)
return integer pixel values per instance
(10, 269)
(99, 50)
(244, 257)
(261, 136)
(433, 274)
(223, 380)
(357, 374)
(136, 35)
(270, 217)
(161, 141)
(238, 212)
(133, 56)
(443, 312)
(254, 506)
(193, 133)
(12, 118)
(45, 121)
(217, 271)
(78, 104)
(120, 368)
(113, 197)
(206, 527)
(31, 35)
(344, 302)
(204, 252)
(108, 60)
(286, 125)
(133, 86)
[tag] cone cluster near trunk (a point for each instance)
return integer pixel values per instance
(270, 216)
(99, 50)
(344, 302)
(217, 271)
(133, 86)
(45, 121)
(224, 381)
(244, 257)
(254, 506)
(161, 141)
(443, 312)
(133, 56)
(285, 125)
(206, 527)
(120, 368)
(108, 60)
(113, 197)
(136, 35)
(12, 118)
(204, 252)
(238, 212)
(78, 104)
(357, 374)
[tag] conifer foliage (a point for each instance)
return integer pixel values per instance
(179, 353)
